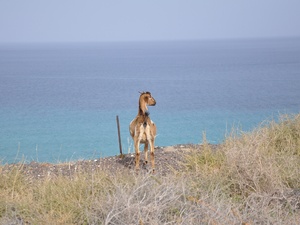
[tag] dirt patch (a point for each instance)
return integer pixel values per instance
(167, 159)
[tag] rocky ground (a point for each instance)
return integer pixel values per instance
(167, 159)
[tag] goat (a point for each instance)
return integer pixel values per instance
(143, 130)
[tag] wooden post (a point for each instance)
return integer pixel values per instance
(119, 135)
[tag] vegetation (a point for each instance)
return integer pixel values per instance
(251, 178)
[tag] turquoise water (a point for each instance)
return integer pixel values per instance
(59, 101)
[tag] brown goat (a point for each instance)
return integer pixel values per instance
(143, 130)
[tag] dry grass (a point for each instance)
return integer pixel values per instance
(256, 173)
(252, 178)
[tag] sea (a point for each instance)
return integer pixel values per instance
(59, 101)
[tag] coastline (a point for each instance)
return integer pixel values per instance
(167, 159)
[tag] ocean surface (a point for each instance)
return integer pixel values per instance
(59, 102)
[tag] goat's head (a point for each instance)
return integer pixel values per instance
(146, 99)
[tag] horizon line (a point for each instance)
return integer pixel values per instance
(150, 40)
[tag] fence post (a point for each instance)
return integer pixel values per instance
(119, 135)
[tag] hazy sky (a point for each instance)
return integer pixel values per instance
(129, 20)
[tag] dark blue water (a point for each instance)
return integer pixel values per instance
(59, 101)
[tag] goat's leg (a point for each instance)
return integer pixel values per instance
(146, 153)
(152, 154)
(137, 154)
(150, 140)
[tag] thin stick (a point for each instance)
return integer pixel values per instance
(119, 135)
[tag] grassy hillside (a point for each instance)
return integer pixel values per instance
(252, 178)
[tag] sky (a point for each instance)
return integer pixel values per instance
(146, 20)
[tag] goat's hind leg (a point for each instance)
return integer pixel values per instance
(146, 154)
(152, 155)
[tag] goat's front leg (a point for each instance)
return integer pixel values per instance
(146, 153)
(137, 153)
